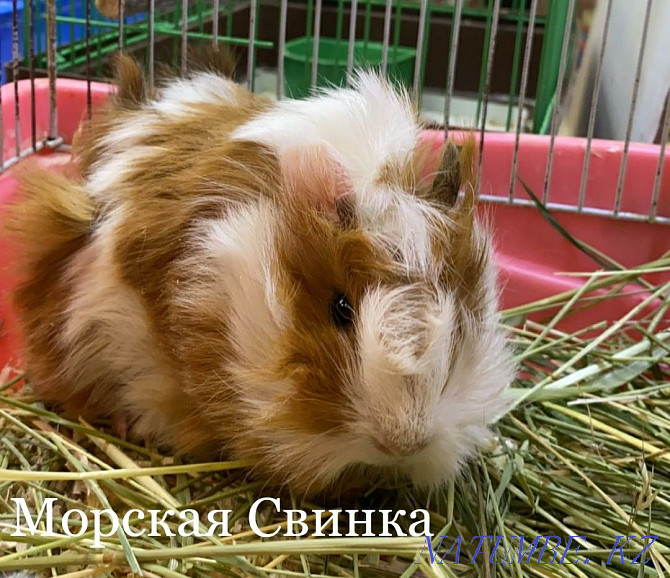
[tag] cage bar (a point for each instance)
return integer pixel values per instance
(522, 97)
(594, 106)
(557, 102)
(515, 67)
(251, 56)
(30, 6)
(633, 105)
(353, 16)
(89, 96)
(558, 23)
(184, 36)
(665, 136)
(122, 21)
(387, 35)
(15, 75)
(152, 41)
(451, 73)
(565, 208)
(315, 43)
(420, 42)
(51, 58)
(492, 10)
(487, 85)
(281, 52)
(215, 22)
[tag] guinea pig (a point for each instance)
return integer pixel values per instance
(302, 284)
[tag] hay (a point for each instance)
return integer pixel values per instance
(586, 451)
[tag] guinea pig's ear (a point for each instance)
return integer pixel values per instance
(131, 90)
(314, 177)
(445, 170)
(447, 181)
(456, 170)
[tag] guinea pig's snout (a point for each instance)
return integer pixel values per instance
(401, 425)
(400, 446)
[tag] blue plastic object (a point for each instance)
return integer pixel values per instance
(6, 47)
(64, 30)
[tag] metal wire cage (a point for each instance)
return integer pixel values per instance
(488, 65)
(316, 42)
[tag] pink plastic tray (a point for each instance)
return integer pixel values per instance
(530, 251)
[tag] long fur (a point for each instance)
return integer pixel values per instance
(185, 282)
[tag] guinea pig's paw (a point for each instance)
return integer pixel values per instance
(121, 425)
(491, 445)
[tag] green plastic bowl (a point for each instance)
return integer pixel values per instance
(332, 67)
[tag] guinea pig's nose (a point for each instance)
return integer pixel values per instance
(397, 448)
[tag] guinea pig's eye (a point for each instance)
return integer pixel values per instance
(341, 311)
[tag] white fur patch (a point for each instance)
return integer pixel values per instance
(366, 126)
(236, 255)
(202, 88)
(121, 351)
(114, 168)
(402, 223)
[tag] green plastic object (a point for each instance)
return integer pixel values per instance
(550, 62)
(332, 63)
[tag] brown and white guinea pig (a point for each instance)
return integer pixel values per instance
(270, 281)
